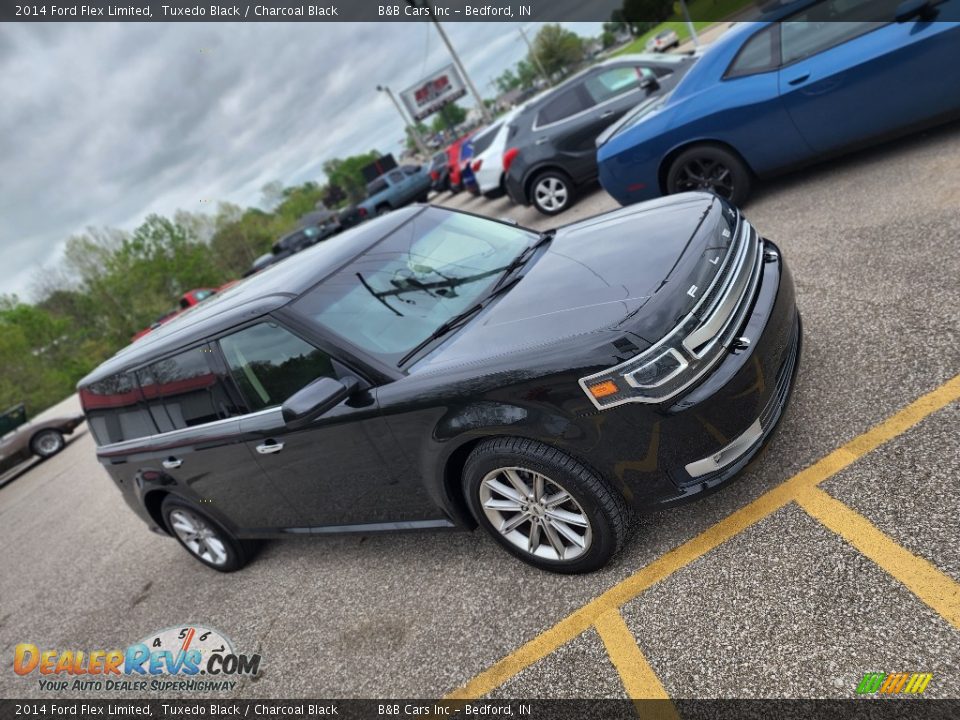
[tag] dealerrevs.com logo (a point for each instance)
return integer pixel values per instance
(185, 659)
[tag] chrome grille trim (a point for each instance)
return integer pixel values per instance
(714, 320)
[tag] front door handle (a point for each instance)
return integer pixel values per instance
(607, 114)
(799, 79)
(172, 463)
(269, 447)
(541, 141)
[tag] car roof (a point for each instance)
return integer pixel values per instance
(259, 294)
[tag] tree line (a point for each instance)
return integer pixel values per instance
(111, 283)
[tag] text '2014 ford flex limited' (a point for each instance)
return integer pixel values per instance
(435, 369)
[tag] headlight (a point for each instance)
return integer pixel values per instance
(696, 344)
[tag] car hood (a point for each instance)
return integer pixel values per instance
(624, 272)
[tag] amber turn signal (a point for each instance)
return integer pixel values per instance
(607, 387)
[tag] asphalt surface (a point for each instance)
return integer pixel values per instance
(784, 608)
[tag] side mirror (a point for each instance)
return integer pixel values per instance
(649, 84)
(312, 401)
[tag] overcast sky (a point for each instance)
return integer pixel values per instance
(102, 124)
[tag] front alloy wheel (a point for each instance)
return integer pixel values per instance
(543, 506)
(535, 513)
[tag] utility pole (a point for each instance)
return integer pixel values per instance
(456, 59)
(536, 60)
(693, 31)
(412, 129)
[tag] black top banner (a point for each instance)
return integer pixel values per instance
(366, 11)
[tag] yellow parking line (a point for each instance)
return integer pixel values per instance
(681, 556)
(639, 679)
(921, 577)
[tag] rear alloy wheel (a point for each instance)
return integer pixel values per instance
(543, 506)
(552, 192)
(712, 169)
(203, 537)
(47, 443)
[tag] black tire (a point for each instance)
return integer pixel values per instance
(497, 192)
(552, 192)
(591, 498)
(710, 168)
(237, 552)
(47, 443)
(424, 198)
(383, 210)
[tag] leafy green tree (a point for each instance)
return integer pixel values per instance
(558, 50)
(450, 115)
(507, 81)
(347, 173)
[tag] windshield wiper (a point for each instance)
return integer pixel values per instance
(457, 320)
(524, 256)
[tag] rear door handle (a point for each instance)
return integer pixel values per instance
(269, 447)
(172, 463)
(799, 79)
(607, 114)
(541, 141)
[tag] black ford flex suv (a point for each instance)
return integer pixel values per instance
(436, 369)
(551, 144)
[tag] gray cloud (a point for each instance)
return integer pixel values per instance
(102, 124)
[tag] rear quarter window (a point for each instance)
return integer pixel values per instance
(186, 390)
(760, 53)
(115, 410)
(563, 105)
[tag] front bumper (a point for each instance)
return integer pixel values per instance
(670, 454)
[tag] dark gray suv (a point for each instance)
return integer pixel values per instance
(551, 146)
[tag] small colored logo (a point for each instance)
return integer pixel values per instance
(184, 658)
(894, 683)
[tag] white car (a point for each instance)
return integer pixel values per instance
(487, 162)
(663, 41)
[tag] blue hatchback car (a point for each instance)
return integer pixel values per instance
(825, 77)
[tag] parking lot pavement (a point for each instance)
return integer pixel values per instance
(834, 554)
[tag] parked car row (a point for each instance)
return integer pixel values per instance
(814, 79)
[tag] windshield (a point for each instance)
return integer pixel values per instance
(396, 294)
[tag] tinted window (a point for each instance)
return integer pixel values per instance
(760, 54)
(402, 289)
(564, 104)
(396, 176)
(185, 390)
(378, 185)
(270, 363)
(482, 141)
(115, 410)
(616, 81)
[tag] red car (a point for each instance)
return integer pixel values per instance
(187, 301)
(453, 163)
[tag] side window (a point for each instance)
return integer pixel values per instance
(564, 104)
(378, 185)
(270, 363)
(830, 23)
(760, 54)
(395, 176)
(186, 390)
(616, 81)
(115, 410)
